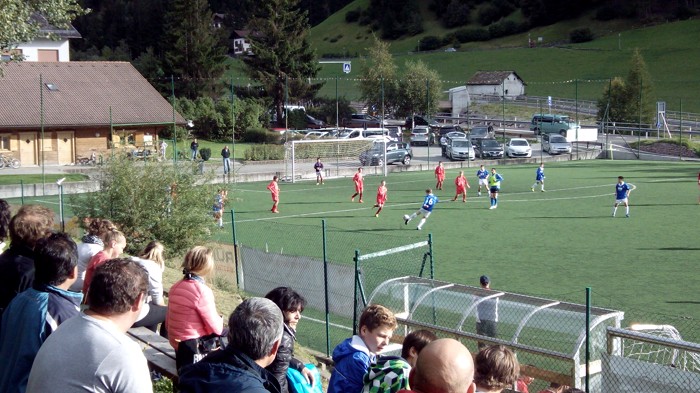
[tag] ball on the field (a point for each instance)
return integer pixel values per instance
(406, 217)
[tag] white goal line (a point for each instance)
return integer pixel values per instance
(393, 250)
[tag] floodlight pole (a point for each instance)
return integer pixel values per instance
(233, 133)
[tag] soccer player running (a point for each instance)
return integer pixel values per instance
(318, 167)
(275, 191)
(428, 204)
(539, 178)
(359, 185)
(482, 174)
(381, 197)
(494, 180)
(622, 193)
(439, 175)
(462, 184)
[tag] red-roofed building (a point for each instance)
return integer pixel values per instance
(81, 106)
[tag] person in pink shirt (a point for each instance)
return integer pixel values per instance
(114, 243)
(192, 313)
(275, 191)
(439, 175)
(381, 197)
(462, 184)
(359, 185)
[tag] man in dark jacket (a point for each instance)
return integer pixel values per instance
(27, 227)
(254, 337)
(226, 154)
(194, 146)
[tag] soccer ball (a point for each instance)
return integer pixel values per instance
(406, 217)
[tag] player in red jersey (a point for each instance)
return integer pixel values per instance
(381, 197)
(462, 184)
(359, 185)
(439, 175)
(275, 191)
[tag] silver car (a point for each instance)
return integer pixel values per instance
(460, 149)
(555, 144)
(421, 135)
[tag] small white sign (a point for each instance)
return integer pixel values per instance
(346, 68)
(549, 101)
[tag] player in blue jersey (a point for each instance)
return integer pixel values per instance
(428, 204)
(494, 180)
(482, 174)
(539, 178)
(622, 193)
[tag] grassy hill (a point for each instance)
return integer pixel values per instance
(670, 51)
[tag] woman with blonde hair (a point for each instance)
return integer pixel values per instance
(192, 317)
(153, 312)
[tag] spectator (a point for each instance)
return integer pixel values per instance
(572, 390)
(27, 227)
(90, 245)
(521, 385)
(292, 305)
(390, 373)
(240, 367)
(486, 313)
(151, 259)
(114, 244)
(444, 366)
(92, 352)
(226, 155)
(163, 149)
(191, 314)
(354, 355)
(193, 147)
(553, 388)
(496, 369)
(414, 342)
(5, 216)
(38, 310)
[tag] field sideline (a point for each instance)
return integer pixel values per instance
(551, 244)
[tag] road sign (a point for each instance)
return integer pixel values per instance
(346, 68)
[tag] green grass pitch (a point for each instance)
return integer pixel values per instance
(552, 244)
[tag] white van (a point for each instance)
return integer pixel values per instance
(369, 133)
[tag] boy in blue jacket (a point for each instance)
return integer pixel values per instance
(354, 355)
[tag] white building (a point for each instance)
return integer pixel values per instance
(501, 84)
(51, 45)
(459, 100)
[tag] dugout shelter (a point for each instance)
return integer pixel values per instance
(548, 336)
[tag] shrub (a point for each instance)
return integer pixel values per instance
(353, 15)
(503, 28)
(260, 135)
(430, 42)
(205, 153)
(139, 198)
(473, 34)
(583, 34)
(264, 152)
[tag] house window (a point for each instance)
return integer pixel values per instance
(9, 55)
(4, 142)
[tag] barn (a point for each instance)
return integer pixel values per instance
(496, 84)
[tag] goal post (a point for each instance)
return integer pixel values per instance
(335, 154)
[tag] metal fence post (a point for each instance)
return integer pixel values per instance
(325, 288)
(21, 191)
(354, 299)
(588, 337)
(430, 251)
(235, 250)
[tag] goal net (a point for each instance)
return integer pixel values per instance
(661, 354)
(337, 155)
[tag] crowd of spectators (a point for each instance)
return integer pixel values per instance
(65, 310)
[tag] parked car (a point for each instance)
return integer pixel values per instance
(488, 148)
(444, 130)
(395, 152)
(555, 144)
(421, 135)
(361, 120)
(421, 121)
(518, 147)
(314, 123)
(460, 149)
(446, 139)
(480, 132)
(547, 124)
(395, 133)
(316, 135)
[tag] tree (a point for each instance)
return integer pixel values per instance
(282, 59)
(379, 69)
(196, 50)
(419, 89)
(17, 23)
(622, 98)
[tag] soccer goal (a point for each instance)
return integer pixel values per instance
(337, 156)
(659, 353)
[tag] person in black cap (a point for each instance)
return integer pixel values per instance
(486, 313)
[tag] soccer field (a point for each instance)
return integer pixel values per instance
(552, 244)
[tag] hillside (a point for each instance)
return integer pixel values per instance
(670, 51)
